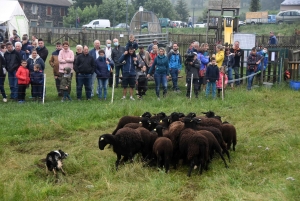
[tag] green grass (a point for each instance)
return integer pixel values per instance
(263, 118)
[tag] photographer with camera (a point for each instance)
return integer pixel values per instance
(192, 65)
(229, 64)
(237, 53)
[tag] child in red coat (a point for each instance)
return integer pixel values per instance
(23, 80)
(222, 75)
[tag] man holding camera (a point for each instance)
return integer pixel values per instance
(175, 66)
(192, 65)
(237, 52)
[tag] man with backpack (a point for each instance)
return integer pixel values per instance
(175, 66)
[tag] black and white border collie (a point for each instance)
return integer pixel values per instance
(54, 161)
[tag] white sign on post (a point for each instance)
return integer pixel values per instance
(273, 56)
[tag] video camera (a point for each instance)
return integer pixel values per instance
(189, 57)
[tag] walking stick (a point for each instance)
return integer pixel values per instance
(113, 88)
(44, 88)
(223, 87)
(191, 89)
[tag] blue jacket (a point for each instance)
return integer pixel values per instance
(162, 65)
(174, 60)
(31, 62)
(93, 53)
(129, 66)
(102, 69)
(130, 44)
(265, 60)
(204, 60)
(273, 40)
(28, 47)
(37, 77)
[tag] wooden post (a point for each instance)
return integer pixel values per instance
(49, 37)
(66, 36)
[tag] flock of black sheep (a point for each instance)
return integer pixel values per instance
(168, 139)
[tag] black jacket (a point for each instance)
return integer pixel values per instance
(116, 54)
(229, 61)
(84, 64)
(237, 56)
(2, 65)
(212, 73)
(193, 69)
(42, 52)
(12, 60)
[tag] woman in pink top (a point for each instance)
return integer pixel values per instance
(66, 59)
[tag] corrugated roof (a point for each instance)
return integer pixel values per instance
(290, 2)
(49, 2)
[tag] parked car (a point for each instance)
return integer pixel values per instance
(121, 25)
(199, 25)
(241, 23)
(177, 24)
(100, 23)
(288, 16)
(164, 22)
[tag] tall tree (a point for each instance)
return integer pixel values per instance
(83, 3)
(182, 10)
(85, 15)
(254, 5)
(162, 8)
(138, 3)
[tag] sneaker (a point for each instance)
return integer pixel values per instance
(158, 98)
(4, 100)
(123, 98)
(105, 99)
(21, 101)
(78, 99)
(131, 98)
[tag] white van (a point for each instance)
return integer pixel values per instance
(95, 24)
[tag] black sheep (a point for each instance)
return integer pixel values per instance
(194, 147)
(145, 122)
(229, 135)
(162, 149)
(213, 144)
(126, 142)
(129, 119)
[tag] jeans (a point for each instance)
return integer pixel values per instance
(66, 95)
(2, 90)
(117, 71)
(250, 79)
(21, 92)
(229, 72)
(86, 80)
(57, 84)
(214, 88)
(13, 84)
(102, 84)
(236, 75)
(174, 74)
(160, 79)
(37, 90)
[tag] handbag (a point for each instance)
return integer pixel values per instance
(202, 72)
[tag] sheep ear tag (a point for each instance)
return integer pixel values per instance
(160, 121)
(140, 122)
(191, 121)
(102, 138)
(154, 129)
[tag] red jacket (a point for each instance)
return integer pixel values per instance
(219, 84)
(23, 75)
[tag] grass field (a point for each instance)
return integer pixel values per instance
(263, 166)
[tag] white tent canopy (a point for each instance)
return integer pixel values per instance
(12, 14)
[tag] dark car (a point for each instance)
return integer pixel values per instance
(121, 25)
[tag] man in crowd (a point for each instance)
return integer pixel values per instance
(237, 60)
(128, 72)
(273, 39)
(175, 66)
(84, 68)
(42, 50)
(26, 46)
(108, 52)
(95, 54)
(12, 63)
(55, 65)
(154, 42)
(143, 57)
(18, 48)
(115, 55)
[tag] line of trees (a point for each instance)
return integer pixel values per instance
(115, 11)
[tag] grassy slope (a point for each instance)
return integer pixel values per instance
(263, 118)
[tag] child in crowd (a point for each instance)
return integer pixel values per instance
(132, 43)
(65, 83)
(222, 76)
(23, 80)
(37, 80)
(142, 82)
(212, 77)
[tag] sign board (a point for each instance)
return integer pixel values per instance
(247, 41)
(218, 4)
